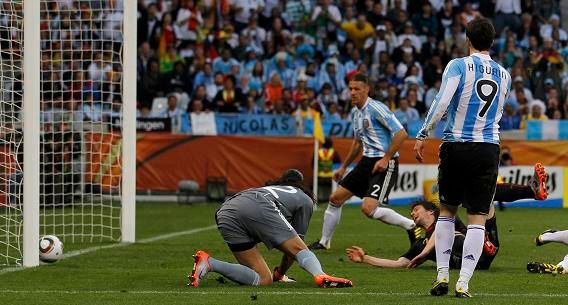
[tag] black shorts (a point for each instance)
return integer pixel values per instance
(467, 175)
(363, 183)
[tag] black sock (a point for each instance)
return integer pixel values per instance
(508, 192)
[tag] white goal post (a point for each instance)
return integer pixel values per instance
(75, 62)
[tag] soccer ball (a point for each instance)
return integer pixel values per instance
(50, 249)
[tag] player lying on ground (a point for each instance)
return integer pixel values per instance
(276, 215)
(550, 236)
(425, 214)
(379, 135)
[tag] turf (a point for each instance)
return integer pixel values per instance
(154, 272)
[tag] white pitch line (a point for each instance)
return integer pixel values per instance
(118, 245)
(191, 291)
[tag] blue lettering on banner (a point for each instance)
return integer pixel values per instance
(261, 125)
(334, 128)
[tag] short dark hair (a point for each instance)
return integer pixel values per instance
(360, 77)
(427, 205)
(480, 32)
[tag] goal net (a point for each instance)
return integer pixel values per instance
(81, 102)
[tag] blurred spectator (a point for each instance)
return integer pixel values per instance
(244, 10)
(151, 84)
(406, 114)
(188, 21)
(224, 63)
(507, 13)
(358, 31)
(537, 109)
(273, 90)
(229, 98)
(332, 112)
(510, 119)
(250, 106)
(172, 111)
(518, 85)
(196, 106)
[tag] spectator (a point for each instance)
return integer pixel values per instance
(553, 31)
(431, 94)
(375, 15)
(229, 98)
(177, 79)
(168, 60)
(200, 93)
(358, 31)
(510, 119)
(224, 63)
(172, 111)
(188, 21)
(507, 13)
(537, 109)
(325, 17)
(196, 106)
(250, 106)
(518, 85)
(406, 114)
(332, 112)
(255, 34)
(244, 10)
(327, 96)
(273, 90)
(425, 22)
(151, 84)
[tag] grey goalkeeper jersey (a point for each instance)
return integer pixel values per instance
(294, 205)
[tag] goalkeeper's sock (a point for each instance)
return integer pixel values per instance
(391, 217)
(309, 262)
(331, 219)
(235, 272)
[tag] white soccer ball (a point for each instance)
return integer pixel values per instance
(50, 249)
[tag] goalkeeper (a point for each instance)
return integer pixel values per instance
(277, 215)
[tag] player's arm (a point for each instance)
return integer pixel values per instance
(358, 255)
(356, 148)
(398, 134)
(450, 82)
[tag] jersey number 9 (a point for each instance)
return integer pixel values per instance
(486, 90)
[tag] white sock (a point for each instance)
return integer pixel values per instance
(556, 237)
(331, 218)
(445, 227)
(391, 217)
(564, 263)
(472, 248)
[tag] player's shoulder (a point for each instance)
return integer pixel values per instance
(455, 67)
(376, 106)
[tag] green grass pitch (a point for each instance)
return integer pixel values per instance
(154, 271)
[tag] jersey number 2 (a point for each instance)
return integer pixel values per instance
(486, 90)
(282, 188)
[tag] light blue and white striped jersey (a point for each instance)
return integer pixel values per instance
(374, 125)
(473, 91)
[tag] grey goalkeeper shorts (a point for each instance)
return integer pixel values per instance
(250, 218)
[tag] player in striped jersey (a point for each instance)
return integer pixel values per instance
(472, 94)
(379, 135)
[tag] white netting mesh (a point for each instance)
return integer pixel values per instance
(81, 101)
(11, 146)
(81, 106)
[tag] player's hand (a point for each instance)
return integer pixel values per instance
(282, 278)
(338, 174)
(417, 261)
(419, 150)
(381, 165)
(355, 254)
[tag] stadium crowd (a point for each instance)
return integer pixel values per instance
(294, 57)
